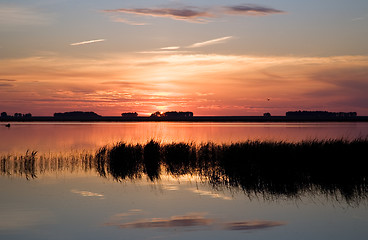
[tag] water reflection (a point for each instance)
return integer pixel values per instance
(192, 220)
(335, 168)
(61, 137)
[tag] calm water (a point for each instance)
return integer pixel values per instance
(56, 137)
(65, 202)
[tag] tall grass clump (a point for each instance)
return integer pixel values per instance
(152, 159)
(270, 168)
(179, 158)
(23, 165)
(32, 164)
(125, 161)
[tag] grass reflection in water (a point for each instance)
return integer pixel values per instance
(272, 169)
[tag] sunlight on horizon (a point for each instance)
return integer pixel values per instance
(204, 84)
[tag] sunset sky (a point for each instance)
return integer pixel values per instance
(211, 57)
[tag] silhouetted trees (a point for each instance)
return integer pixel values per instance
(320, 114)
(129, 115)
(16, 116)
(172, 115)
(156, 114)
(77, 115)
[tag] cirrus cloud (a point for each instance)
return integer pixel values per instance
(187, 13)
(199, 15)
(87, 42)
(210, 42)
(251, 9)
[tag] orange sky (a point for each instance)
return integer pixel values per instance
(207, 84)
(210, 57)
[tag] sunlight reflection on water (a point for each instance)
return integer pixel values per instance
(58, 137)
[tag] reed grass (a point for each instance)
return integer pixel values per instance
(277, 168)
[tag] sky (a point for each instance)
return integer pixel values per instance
(211, 57)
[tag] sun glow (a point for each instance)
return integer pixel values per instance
(204, 84)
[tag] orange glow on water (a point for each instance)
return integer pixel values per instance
(63, 137)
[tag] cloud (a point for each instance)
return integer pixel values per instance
(239, 83)
(210, 42)
(186, 13)
(252, 225)
(155, 52)
(6, 85)
(170, 48)
(200, 94)
(87, 42)
(360, 18)
(127, 21)
(7, 80)
(250, 9)
(198, 15)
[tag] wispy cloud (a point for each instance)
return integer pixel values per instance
(198, 15)
(200, 94)
(359, 18)
(210, 42)
(87, 42)
(133, 81)
(170, 48)
(6, 80)
(250, 9)
(186, 13)
(6, 85)
(173, 49)
(127, 21)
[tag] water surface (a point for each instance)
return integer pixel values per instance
(89, 136)
(68, 198)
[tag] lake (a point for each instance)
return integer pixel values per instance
(62, 192)
(58, 137)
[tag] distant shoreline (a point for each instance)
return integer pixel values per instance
(191, 119)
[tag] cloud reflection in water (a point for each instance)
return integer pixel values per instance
(191, 220)
(87, 194)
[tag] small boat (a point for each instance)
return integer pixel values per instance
(7, 125)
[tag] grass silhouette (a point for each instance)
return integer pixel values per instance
(270, 168)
